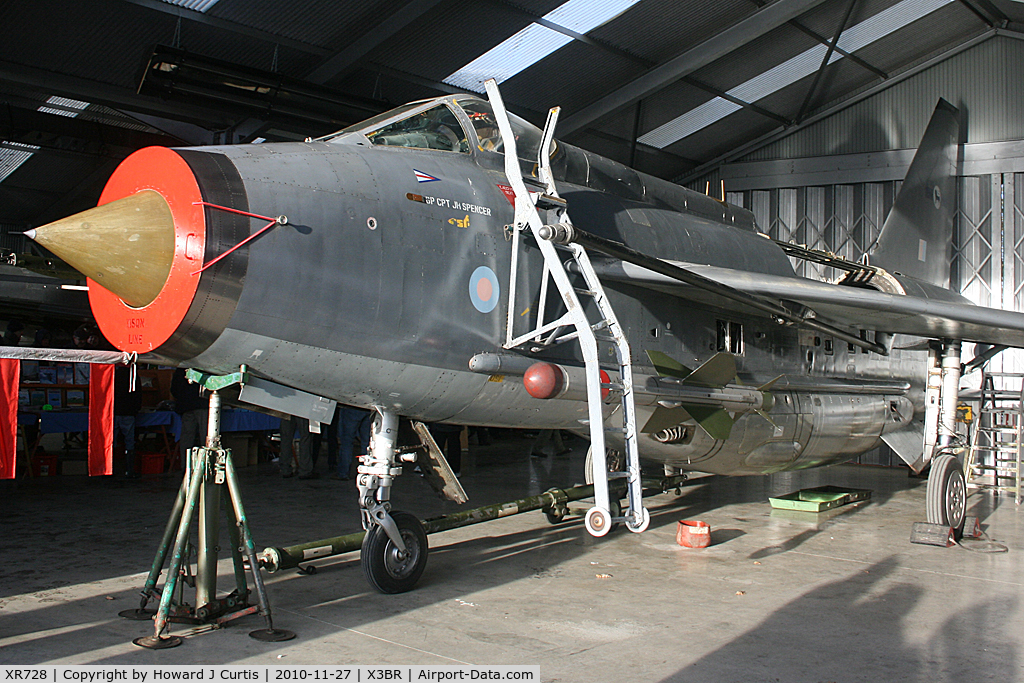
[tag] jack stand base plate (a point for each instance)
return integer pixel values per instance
(271, 635)
(157, 643)
(137, 614)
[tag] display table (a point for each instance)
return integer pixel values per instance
(63, 421)
(165, 422)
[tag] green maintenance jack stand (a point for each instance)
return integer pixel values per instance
(209, 471)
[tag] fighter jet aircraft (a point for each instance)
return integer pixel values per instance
(447, 261)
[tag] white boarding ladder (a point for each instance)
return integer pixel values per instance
(599, 519)
(997, 449)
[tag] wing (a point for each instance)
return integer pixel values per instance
(925, 312)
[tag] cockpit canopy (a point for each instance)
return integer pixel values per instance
(457, 123)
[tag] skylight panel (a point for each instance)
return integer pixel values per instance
(13, 155)
(197, 5)
(63, 106)
(791, 71)
(535, 42)
(887, 21)
(691, 121)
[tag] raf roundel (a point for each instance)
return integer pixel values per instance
(484, 289)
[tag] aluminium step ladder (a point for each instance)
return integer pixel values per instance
(605, 328)
(993, 461)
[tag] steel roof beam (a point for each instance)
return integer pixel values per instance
(102, 93)
(690, 80)
(824, 62)
(987, 12)
(580, 37)
(756, 25)
(231, 26)
(845, 53)
(339, 63)
(28, 126)
(644, 149)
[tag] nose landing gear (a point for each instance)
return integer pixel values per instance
(394, 550)
(388, 568)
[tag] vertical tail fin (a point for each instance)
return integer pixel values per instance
(917, 236)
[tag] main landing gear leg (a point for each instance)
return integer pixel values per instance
(394, 550)
(946, 500)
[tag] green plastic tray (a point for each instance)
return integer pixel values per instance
(819, 498)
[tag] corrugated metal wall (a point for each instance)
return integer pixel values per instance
(982, 81)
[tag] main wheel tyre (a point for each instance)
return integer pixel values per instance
(946, 500)
(385, 567)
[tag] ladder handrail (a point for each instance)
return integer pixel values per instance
(528, 218)
(990, 436)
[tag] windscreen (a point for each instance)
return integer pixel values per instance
(528, 136)
(433, 128)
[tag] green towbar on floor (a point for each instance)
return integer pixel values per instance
(553, 502)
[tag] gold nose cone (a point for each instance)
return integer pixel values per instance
(126, 246)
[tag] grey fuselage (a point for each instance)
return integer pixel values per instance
(371, 295)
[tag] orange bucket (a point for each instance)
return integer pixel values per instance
(693, 534)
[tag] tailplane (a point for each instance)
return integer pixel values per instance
(917, 237)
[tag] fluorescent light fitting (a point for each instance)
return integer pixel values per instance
(535, 42)
(791, 71)
(13, 155)
(62, 106)
(197, 5)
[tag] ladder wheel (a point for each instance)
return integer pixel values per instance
(387, 569)
(645, 521)
(946, 501)
(598, 521)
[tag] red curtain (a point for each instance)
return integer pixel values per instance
(101, 419)
(10, 375)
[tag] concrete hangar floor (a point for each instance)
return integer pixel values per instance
(841, 596)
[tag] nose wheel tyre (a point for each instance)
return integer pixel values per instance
(388, 569)
(946, 501)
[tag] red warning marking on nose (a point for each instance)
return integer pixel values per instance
(143, 329)
(509, 193)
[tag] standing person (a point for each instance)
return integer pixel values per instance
(350, 423)
(449, 439)
(543, 437)
(43, 340)
(12, 337)
(193, 409)
(290, 426)
(126, 407)
(86, 336)
(286, 459)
